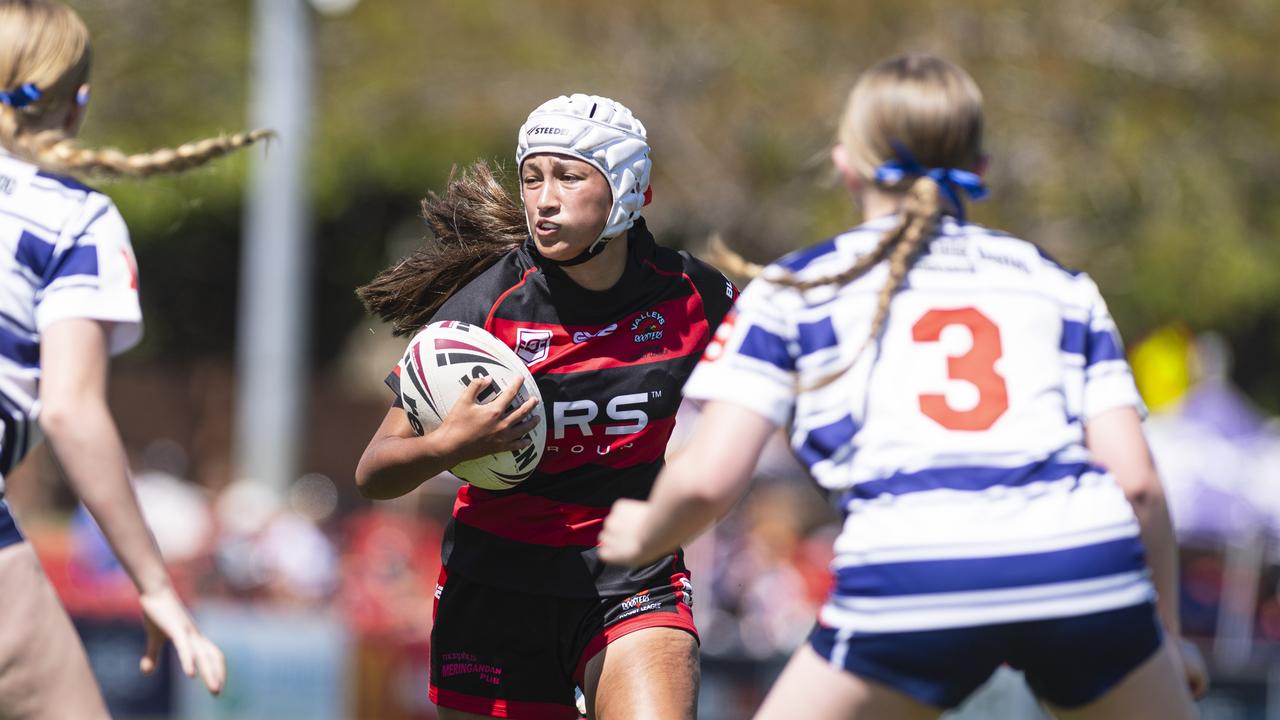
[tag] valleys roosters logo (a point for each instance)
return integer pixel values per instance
(648, 326)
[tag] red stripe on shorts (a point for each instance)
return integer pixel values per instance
(681, 619)
(497, 707)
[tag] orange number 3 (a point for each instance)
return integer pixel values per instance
(978, 366)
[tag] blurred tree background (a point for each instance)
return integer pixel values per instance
(1134, 139)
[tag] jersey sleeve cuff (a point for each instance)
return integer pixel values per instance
(772, 403)
(1110, 393)
(123, 315)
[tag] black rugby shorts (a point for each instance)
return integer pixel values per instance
(508, 654)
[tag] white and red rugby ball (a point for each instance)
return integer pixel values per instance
(440, 362)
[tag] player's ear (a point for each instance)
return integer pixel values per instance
(983, 162)
(848, 178)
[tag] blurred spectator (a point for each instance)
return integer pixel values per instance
(267, 549)
(390, 565)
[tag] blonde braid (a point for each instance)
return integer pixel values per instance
(44, 43)
(902, 245)
(735, 265)
(920, 212)
(730, 262)
(52, 151)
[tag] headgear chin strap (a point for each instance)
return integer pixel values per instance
(603, 133)
(596, 248)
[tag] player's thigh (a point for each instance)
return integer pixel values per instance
(811, 688)
(648, 673)
(45, 670)
(1155, 690)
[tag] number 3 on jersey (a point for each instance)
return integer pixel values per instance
(977, 367)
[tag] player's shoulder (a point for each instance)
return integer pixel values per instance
(997, 252)
(473, 301)
(704, 275)
(833, 253)
(52, 204)
(1004, 247)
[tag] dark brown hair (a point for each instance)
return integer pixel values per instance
(474, 223)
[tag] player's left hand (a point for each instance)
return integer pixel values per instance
(1194, 667)
(622, 540)
(166, 618)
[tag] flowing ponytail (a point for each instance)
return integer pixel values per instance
(474, 223)
(64, 156)
(45, 56)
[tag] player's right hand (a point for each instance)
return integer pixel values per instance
(623, 539)
(1194, 667)
(166, 618)
(473, 429)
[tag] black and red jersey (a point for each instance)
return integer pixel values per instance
(610, 366)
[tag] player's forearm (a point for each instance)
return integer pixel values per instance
(1116, 440)
(88, 448)
(688, 497)
(706, 479)
(1162, 551)
(394, 466)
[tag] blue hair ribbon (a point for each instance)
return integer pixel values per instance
(952, 181)
(22, 97)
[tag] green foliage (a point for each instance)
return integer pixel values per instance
(1132, 138)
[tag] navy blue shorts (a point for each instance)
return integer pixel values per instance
(1069, 661)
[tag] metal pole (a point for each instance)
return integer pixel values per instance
(275, 271)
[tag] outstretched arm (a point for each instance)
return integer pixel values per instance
(1116, 441)
(86, 443)
(397, 459)
(698, 486)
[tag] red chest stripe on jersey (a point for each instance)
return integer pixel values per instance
(529, 518)
(488, 322)
(684, 331)
(614, 451)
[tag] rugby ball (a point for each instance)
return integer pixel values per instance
(440, 362)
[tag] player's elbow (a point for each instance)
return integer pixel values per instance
(367, 480)
(58, 418)
(374, 481)
(1143, 491)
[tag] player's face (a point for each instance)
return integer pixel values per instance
(566, 201)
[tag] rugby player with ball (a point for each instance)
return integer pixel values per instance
(557, 338)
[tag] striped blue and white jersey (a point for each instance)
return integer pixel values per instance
(64, 253)
(954, 445)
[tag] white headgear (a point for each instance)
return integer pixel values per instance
(601, 132)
